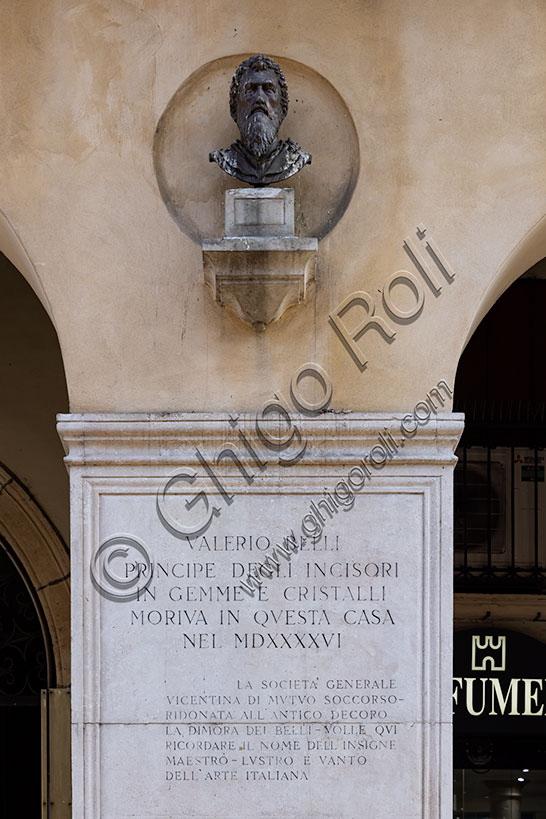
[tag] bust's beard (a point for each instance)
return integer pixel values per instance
(258, 134)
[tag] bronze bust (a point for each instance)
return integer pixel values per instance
(258, 102)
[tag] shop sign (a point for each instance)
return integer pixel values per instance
(499, 683)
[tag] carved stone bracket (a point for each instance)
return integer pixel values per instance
(259, 268)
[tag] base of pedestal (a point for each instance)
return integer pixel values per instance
(259, 278)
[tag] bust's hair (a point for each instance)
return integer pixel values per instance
(257, 63)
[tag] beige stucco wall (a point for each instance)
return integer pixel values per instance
(448, 103)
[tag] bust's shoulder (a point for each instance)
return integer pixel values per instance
(295, 154)
(226, 158)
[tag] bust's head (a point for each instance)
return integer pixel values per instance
(258, 102)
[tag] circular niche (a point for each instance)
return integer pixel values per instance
(197, 121)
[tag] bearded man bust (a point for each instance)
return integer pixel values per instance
(258, 102)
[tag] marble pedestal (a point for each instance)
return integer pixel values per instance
(259, 268)
(325, 693)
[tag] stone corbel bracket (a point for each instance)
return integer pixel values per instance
(259, 268)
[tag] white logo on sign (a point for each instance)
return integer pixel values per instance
(487, 649)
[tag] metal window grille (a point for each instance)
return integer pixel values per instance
(500, 519)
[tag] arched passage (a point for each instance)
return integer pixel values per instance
(34, 556)
(528, 252)
(500, 541)
(13, 248)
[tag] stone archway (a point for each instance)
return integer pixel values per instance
(44, 557)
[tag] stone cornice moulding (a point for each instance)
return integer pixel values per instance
(336, 439)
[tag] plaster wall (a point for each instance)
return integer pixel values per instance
(447, 102)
